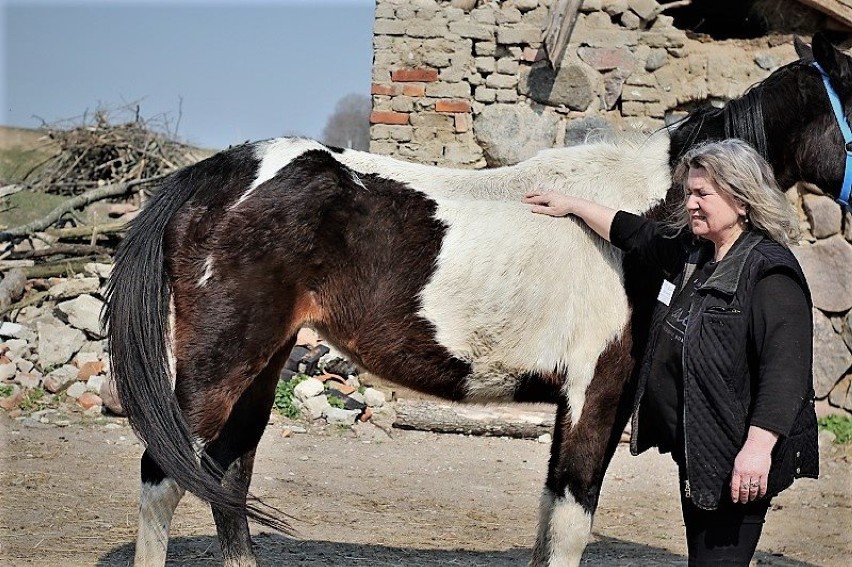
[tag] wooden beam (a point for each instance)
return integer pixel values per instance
(840, 10)
(563, 16)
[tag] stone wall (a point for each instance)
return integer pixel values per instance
(465, 83)
(826, 256)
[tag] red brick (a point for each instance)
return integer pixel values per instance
(414, 90)
(88, 400)
(345, 389)
(90, 369)
(462, 123)
(380, 89)
(388, 117)
(452, 106)
(424, 75)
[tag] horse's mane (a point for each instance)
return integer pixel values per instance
(744, 117)
(629, 166)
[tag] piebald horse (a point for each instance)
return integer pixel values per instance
(439, 279)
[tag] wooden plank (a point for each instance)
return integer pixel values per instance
(563, 16)
(840, 10)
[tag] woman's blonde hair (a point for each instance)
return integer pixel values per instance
(742, 173)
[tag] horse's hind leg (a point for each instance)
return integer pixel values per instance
(234, 452)
(159, 496)
(229, 344)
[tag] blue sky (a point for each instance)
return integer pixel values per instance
(229, 71)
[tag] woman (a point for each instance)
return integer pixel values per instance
(725, 384)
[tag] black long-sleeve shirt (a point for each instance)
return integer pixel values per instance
(779, 338)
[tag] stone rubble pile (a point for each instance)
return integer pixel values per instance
(57, 352)
(328, 387)
(312, 397)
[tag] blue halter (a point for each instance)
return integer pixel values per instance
(847, 135)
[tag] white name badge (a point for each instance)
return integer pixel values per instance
(666, 292)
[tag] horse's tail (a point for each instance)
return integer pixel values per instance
(136, 318)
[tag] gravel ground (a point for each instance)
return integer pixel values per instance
(366, 498)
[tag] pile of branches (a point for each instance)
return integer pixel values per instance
(101, 152)
(121, 162)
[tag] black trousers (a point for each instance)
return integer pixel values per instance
(725, 536)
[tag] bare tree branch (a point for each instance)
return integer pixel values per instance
(112, 190)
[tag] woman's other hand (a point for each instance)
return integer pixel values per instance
(751, 467)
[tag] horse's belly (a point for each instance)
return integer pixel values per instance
(515, 293)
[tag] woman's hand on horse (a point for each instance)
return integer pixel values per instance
(551, 203)
(751, 466)
(598, 217)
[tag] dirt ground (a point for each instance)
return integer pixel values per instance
(69, 496)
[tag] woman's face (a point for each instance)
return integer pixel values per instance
(713, 213)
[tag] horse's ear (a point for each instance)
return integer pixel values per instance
(803, 50)
(837, 64)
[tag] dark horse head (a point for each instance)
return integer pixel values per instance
(787, 118)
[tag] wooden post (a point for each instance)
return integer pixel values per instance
(840, 10)
(563, 16)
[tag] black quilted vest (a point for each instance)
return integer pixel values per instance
(718, 377)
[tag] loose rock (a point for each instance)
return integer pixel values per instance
(57, 342)
(60, 378)
(109, 396)
(74, 287)
(83, 313)
(308, 389)
(76, 390)
(374, 398)
(89, 400)
(341, 416)
(316, 406)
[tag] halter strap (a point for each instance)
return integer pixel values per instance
(844, 129)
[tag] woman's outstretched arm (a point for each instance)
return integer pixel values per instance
(597, 217)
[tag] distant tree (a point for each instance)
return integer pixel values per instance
(349, 124)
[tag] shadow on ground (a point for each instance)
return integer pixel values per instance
(273, 549)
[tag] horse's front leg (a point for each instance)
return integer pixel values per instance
(579, 456)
